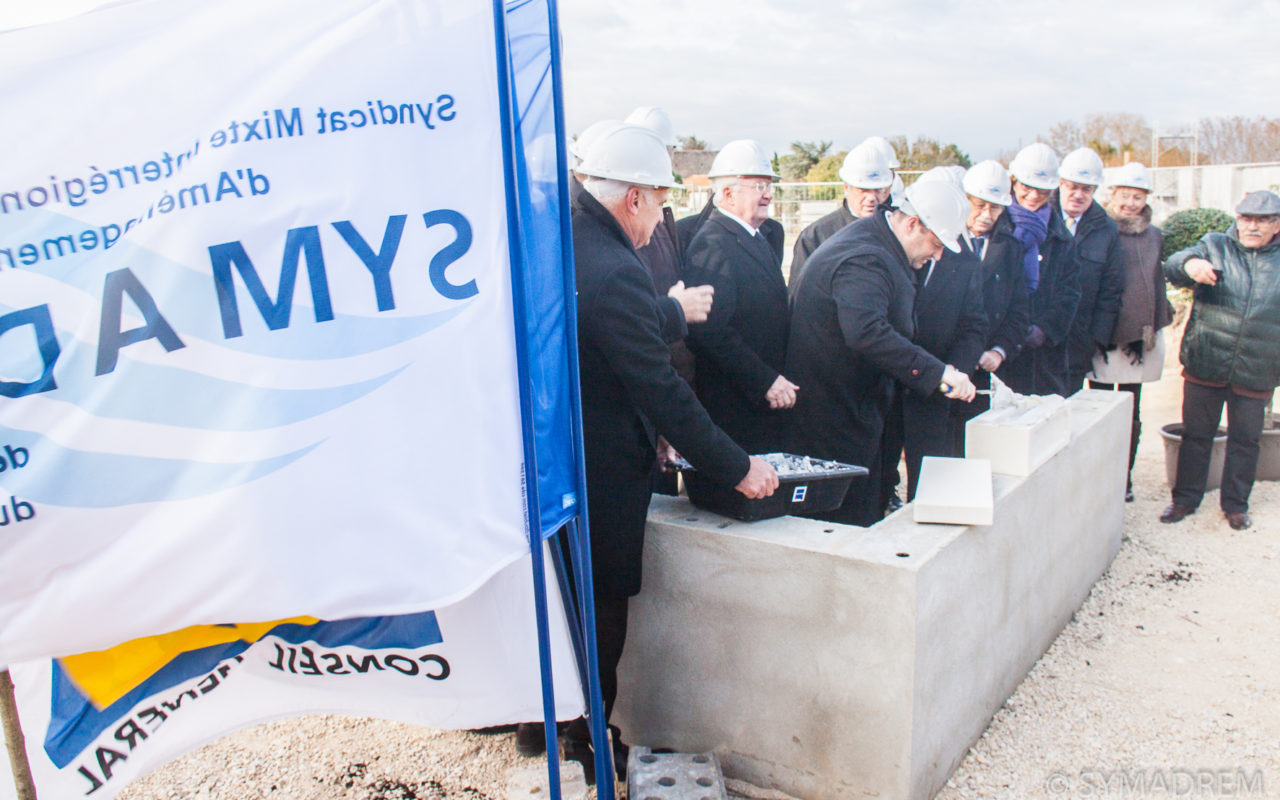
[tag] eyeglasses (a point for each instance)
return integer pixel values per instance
(1251, 221)
(760, 186)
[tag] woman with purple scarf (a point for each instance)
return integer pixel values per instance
(1052, 284)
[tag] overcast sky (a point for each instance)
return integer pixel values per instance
(985, 74)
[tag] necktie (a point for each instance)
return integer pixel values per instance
(1071, 225)
(979, 244)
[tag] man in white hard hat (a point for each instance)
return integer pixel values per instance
(868, 179)
(742, 347)
(852, 319)
(772, 230)
(1096, 242)
(989, 234)
(951, 325)
(578, 151)
(664, 257)
(630, 391)
(1229, 354)
(1049, 269)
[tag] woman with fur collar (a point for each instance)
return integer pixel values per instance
(1136, 353)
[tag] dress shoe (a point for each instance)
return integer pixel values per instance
(531, 739)
(895, 503)
(1175, 513)
(1128, 495)
(577, 747)
(1238, 520)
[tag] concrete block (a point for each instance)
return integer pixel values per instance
(829, 661)
(674, 776)
(956, 491)
(1017, 439)
(530, 783)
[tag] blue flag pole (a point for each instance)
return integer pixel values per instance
(579, 532)
(533, 516)
(524, 119)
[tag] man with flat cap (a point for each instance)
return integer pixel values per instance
(1230, 354)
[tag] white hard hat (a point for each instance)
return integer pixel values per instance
(741, 157)
(1134, 175)
(1036, 165)
(1081, 166)
(950, 174)
(896, 190)
(882, 144)
(941, 206)
(656, 120)
(989, 181)
(866, 168)
(579, 147)
(630, 154)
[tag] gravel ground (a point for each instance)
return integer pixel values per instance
(1166, 683)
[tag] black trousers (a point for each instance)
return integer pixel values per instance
(891, 442)
(1040, 370)
(1135, 429)
(1201, 413)
(926, 433)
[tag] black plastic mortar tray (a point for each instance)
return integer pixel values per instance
(821, 489)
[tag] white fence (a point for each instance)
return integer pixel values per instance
(1219, 186)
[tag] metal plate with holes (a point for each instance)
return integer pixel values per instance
(673, 776)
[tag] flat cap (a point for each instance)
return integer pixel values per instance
(1259, 204)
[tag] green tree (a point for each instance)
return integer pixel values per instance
(803, 156)
(692, 142)
(1184, 228)
(826, 170)
(924, 153)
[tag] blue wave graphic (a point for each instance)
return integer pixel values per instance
(81, 479)
(75, 722)
(150, 393)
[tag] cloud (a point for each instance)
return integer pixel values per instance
(986, 75)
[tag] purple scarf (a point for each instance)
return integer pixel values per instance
(1030, 228)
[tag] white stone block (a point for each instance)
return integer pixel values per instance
(531, 782)
(955, 491)
(1019, 438)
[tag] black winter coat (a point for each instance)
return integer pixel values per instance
(1004, 290)
(812, 237)
(742, 347)
(951, 322)
(627, 383)
(1052, 306)
(688, 227)
(852, 319)
(1097, 249)
(664, 258)
(1233, 333)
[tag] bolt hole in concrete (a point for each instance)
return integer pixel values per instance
(666, 780)
(705, 781)
(828, 530)
(700, 759)
(690, 519)
(648, 759)
(724, 524)
(904, 555)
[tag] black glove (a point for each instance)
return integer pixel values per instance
(1035, 337)
(1134, 351)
